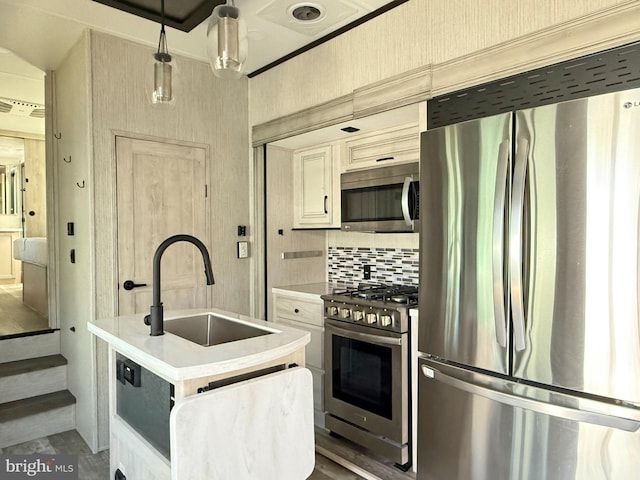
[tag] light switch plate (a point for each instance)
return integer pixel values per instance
(243, 249)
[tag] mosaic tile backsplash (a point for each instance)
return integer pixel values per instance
(392, 266)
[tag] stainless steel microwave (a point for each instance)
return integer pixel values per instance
(383, 199)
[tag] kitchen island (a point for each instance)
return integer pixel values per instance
(178, 409)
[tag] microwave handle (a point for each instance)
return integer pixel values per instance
(405, 201)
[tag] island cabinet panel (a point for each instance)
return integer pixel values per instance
(134, 456)
(308, 315)
(228, 432)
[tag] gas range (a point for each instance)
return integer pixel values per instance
(368, 352)
(377, 306)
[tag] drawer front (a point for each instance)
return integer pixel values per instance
(299, 310)
(314, 351)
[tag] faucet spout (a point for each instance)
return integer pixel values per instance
(156, 317)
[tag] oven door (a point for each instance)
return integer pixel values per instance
(366, 378)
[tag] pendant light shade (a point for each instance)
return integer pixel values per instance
(162, 69)
(227, 41)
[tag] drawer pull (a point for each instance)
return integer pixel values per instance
(296, 310)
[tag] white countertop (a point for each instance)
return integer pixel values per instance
(177, 359)
(309, 290)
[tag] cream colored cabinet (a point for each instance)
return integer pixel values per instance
(9, 266)
(316, 188)
(308, 315)
(399, 144)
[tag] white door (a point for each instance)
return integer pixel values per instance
(161, 191)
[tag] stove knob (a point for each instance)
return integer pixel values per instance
(385, 320)
(358, 315)
(345, 313)
(371, 318)
(332, 311)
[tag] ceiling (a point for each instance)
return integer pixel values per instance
(21, 96)
(35, 36)
(44, 30)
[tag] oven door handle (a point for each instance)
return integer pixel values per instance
(365, 336)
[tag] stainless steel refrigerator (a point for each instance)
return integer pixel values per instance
(529, 330)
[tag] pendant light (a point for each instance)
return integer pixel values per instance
(162, 69)
(227, 41)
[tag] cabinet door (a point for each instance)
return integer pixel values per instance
(313, 186)
(394, 145)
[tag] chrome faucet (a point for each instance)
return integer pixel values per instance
(155, 317)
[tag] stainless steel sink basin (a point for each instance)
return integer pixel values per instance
(209, 329)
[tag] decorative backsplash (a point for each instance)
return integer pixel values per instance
(392, 266)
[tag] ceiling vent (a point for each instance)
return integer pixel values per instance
(305, 12)
(311, 18)
(21, 108)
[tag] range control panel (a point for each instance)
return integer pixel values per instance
(376, 317)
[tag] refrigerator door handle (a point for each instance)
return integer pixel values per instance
(515, 243)
(498, 243)
(582, 413)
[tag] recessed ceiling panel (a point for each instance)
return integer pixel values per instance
(183, 14)
(282, 12)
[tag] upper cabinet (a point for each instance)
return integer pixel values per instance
(316, 187)
(400, 144)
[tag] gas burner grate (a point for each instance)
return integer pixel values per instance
(401, 294)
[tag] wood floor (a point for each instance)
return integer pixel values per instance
(96, 466)
(15, 317)
(357, 459)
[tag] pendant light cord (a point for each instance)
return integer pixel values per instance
(163, 52)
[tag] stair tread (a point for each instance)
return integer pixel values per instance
(34, 405)
(29, 365)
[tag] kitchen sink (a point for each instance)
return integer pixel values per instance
(209, 329)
